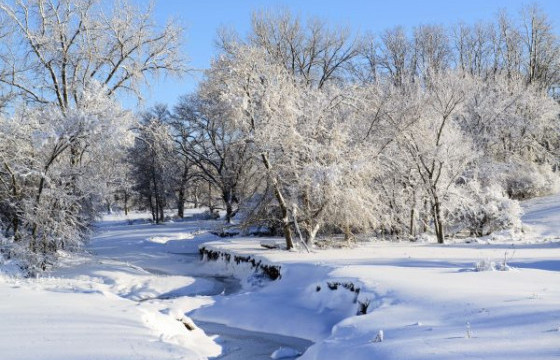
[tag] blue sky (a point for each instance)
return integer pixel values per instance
(203, 17)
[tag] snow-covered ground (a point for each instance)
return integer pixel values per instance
(98, 306)
(427, 299)
(130, 297)
(126, 298)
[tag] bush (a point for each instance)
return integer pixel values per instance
(16, 259)
(525, 180)
(486, 209)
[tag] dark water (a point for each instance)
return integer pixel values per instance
(241, 344)
(237, 344)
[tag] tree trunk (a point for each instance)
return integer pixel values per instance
(15, 219)
(161, 207)
(210, 205)
(156, 211)
(348, 236)
(411, 228)
(438, 224)
(196, 201)
(181, 203)
(152, 207)
(45, 245)
(312, 234)
(228, 201)
(181, 197)
(282, 203)
(229, 212)
(126, 202)
(294, 214)
(15, 225)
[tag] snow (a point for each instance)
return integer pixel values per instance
(46, 320)
(242, 344)
(107, 305)
(543, 215)
(140, 285)
(283, 353)
(421, 296)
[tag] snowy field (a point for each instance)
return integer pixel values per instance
(429, 301)
(139, 287)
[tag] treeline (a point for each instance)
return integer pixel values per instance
(300, 129)
(304, 129)
(63, 135)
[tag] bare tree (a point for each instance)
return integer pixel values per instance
(473, 48)
(204, 136)
(439, 151)
(311, 50)
(396, 55)
(56, 47)
(542, 48)
(432, 52)
(364, 68)
(508, 48)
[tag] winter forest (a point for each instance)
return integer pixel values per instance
(323, 190)
(300, 128)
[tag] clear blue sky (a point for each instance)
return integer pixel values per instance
(202, 18)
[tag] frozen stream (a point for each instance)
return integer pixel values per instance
(172, 249)
(239, 344)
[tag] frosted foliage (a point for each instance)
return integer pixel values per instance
(483, 210)
(397, 158)
(213, 140)
(509, 119)
(527, 180)
(52, 51)
(261, 95)
(438, 150)
(62, 62)
(334, 184)
(56, 167)
(308, 136)
(433, 130)
(156, 169)
(519, 179)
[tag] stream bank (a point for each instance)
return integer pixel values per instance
(171, 250)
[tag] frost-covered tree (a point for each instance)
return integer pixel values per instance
(331, 166)
(52, 203)
(515, 127)
(432, 51)
(262, 96)
(483, 209)
(308, 140)
(542, 47)
(439, 150)
(152, 161)
(52, 50)
(61, 65)
(473, 46)
(204, 136)
(428, 110)
(120, 190)
(312, 50)
(395, 55)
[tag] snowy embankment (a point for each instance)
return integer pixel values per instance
(429, 301)
(51, 319)
(111, 305)
(134, 296)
